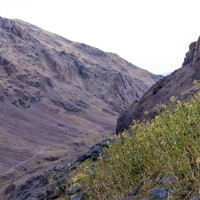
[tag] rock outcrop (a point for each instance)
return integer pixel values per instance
(179, 84)
(192, 57)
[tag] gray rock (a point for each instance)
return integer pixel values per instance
(196, 198)
(106, 142)
(73, 191)
(60, 184)
(96, 148)
(95, 156)
(167, 180)
(160, 193)
(82, 69)
(25, 101)
(27, 189)
(95, 151)
(51, 158)
(35, 84)
(81, 104)
(41, 196)
(1, 98)
(60, 125)
(88, 154)
(10, 188)
(50, 82)
(134, 191)
(62, 53)
(78, 196)
(82, 158)
(69, 107)
(35, 99)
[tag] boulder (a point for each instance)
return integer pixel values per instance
(160, 193)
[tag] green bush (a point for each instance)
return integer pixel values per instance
(168, 145)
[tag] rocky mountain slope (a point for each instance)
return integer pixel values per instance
(179, 84)
(55, 94)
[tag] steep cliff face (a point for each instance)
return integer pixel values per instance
(55, 92)
(179, 84)
(192, 57)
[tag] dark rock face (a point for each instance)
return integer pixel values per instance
(26, 101)
(51, 158)
(10, 189)
(192, 57)
(179, 84)
(24, 192)
(95, 151)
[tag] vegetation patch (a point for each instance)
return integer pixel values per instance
(163, 151)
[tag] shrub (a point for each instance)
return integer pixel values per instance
(168, 145)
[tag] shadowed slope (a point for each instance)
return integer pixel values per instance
(179, 84)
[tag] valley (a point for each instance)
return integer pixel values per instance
(62, 103)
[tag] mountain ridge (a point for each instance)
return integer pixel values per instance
(179, 84)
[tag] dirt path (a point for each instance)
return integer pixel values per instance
(40, 152)
(17, 165)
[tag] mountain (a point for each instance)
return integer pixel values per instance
(179, 84)
(166, 74)
(57, 97)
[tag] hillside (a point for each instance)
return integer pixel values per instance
(159, 161)
(179, 84)
(55, 94)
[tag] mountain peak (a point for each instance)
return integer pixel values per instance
(192, 57)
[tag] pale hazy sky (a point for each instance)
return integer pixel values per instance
(152, 34)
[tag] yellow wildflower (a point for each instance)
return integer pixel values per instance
(198, 161)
